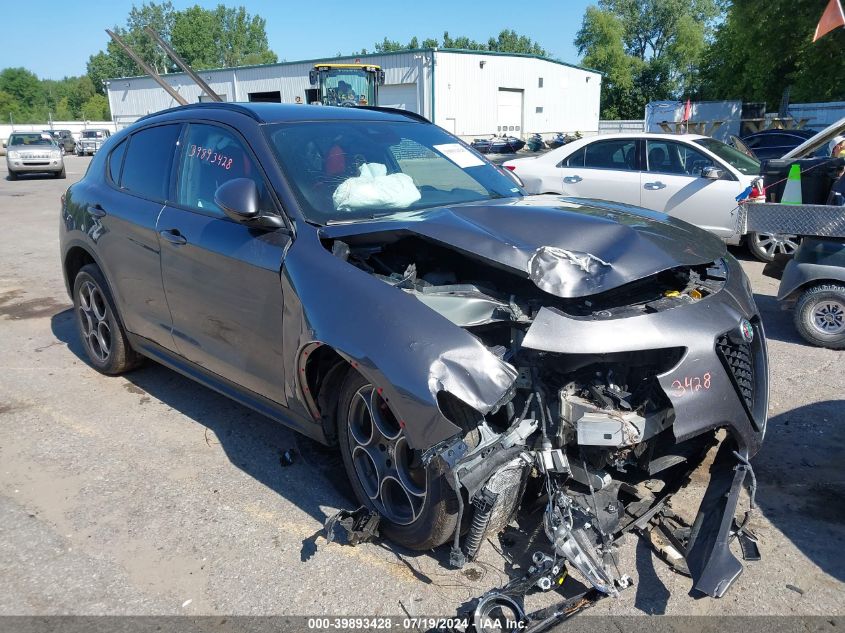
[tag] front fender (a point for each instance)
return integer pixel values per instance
(814, 261)
(395, 341)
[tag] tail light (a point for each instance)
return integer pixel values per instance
(511, 167)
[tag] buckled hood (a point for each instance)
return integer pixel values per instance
(568, 247)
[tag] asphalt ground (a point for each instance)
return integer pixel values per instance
(149, 494)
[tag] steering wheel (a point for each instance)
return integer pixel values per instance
(348, 103)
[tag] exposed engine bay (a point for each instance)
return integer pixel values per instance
(589, 435)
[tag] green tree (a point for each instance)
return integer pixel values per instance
(23, 86)
(760, 49)
(648, 49)
(196, 37)
(389, 46)
(63, 111)
(508, 41)
(80, 92)
(9, 107)
(96, 108)
(244, 38)
(204, 38)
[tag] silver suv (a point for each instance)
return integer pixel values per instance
(33, 152)
(90, 141)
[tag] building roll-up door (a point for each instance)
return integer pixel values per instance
(509, 112)
(402, 96)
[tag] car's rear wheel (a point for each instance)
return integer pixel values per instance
(820, 316)
(102, 333)
(417, 505)
(765, 246)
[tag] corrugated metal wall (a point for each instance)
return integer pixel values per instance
(467, 93)
(467, 90)
(611, 126)
(820, 115)
(135, 97)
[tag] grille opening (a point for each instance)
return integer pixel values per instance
(737, 359)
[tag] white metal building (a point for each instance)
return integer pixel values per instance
(469, 93)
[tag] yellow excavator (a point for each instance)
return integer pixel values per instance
(345, 85)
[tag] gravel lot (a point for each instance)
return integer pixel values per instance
(149, 494)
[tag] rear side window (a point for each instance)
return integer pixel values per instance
(149, 159)
(116, 160)
(211, 157)
(618, 154)
(576, 159)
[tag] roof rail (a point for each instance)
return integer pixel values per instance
(407, 113)
(216, 105)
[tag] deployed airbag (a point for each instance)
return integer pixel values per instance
(375, 189)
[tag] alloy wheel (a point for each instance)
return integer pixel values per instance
(776, 243)
(390, 472)
(93, 318)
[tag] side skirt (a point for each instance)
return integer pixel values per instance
(254, 401)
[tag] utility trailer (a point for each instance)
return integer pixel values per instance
(813, 280)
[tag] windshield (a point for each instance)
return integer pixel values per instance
(736, 159)
(348, 170)
(35, 138)
(346, 86)
(91, 134)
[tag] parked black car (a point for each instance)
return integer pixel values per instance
(366, 278)
(64, 139)
(768, 144)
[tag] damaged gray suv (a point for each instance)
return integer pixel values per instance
(369, 280)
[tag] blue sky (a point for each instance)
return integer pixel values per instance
(68, 32)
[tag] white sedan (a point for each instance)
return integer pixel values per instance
(690, 177)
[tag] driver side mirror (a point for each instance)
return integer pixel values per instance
(712, 173)
(239, 200)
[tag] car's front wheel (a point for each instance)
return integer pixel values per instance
(100, 329)
(820, 316)
(13, 175)
(765, 246)
(416, 503)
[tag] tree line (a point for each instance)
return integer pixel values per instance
(647, 50)
(205, 38)
(748, 50)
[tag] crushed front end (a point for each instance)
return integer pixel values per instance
(633, 357)
(619, 397)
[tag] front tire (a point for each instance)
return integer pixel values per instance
(417, 505)
(12, 175)
(766, 246)
(820, 316)
(100, 329)
(61, 175)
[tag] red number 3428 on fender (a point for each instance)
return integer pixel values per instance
(682, 387)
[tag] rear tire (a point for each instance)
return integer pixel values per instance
(417, 505)
(820, 316)
(100, 329)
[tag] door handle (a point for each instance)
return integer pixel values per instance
(572, 179)
(173, 236)
(96, 211)
(654, 186)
